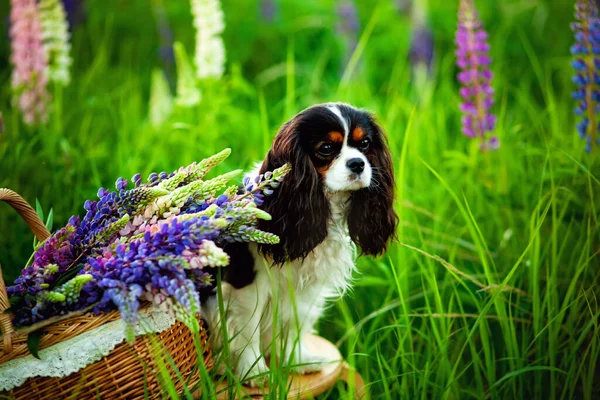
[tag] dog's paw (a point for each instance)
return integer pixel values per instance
(308, 363)
(253, 374)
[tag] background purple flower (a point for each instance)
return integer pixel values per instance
(421, 44)
(473, 60)
(587, 74)
(75, 11)
(268, 10)
(348, 26)
(165, 50)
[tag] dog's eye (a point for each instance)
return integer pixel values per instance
(363, 145)
(325, 150)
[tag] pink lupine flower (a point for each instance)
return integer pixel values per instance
(30, 64)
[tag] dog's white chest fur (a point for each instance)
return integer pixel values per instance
(300, 288)
(331, 263)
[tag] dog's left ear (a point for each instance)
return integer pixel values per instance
(372, 220)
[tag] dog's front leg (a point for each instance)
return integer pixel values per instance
(300, 313)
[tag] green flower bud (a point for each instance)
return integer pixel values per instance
(51, 297)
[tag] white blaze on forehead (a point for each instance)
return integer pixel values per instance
(338, 176)
(336, 111)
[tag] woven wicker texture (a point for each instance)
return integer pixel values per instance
(128, 372)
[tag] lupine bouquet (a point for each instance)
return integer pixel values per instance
(144, 242)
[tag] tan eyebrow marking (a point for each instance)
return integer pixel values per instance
(335, 137)
(358, 134)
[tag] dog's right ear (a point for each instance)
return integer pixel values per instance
(299, 208)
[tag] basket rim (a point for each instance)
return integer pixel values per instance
(86, 321)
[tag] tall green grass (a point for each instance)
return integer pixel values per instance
(492, 288)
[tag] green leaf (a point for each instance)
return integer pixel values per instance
(50, 220)
(15, 299)
(33, 342)
(38, 209)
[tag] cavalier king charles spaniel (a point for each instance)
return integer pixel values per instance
(338, 195)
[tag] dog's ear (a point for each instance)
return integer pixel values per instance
(372, 220)
(299, 208)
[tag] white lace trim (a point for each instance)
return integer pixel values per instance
(70, 356)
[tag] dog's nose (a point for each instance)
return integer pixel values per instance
(356, 165)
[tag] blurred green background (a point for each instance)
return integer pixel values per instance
(525, 216)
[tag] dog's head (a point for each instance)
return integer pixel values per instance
(332, 148)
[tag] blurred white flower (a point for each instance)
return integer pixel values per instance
(161, 101)
(55, 38)
(188, 95)
(210, 51)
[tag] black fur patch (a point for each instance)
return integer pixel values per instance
(239, 273)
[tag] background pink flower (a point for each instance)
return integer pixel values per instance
(30, 65)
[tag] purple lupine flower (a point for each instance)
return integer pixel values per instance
(421, 47)
(165, 49)
(421, 44)
(348, 26)
(75, 11)
(157, 260)
(475, 77)
(268, 10)
(587, 65)
(30, 63)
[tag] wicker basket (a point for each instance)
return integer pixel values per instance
(127, 372)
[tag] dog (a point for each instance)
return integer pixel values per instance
(338, 196)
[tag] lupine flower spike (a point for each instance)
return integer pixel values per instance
(210, 51)
(587, 65)
(421, 46)
(30, 64)
(151, 242)
(475, 77)
(268, 10)
(55, 34)
(348, 26)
